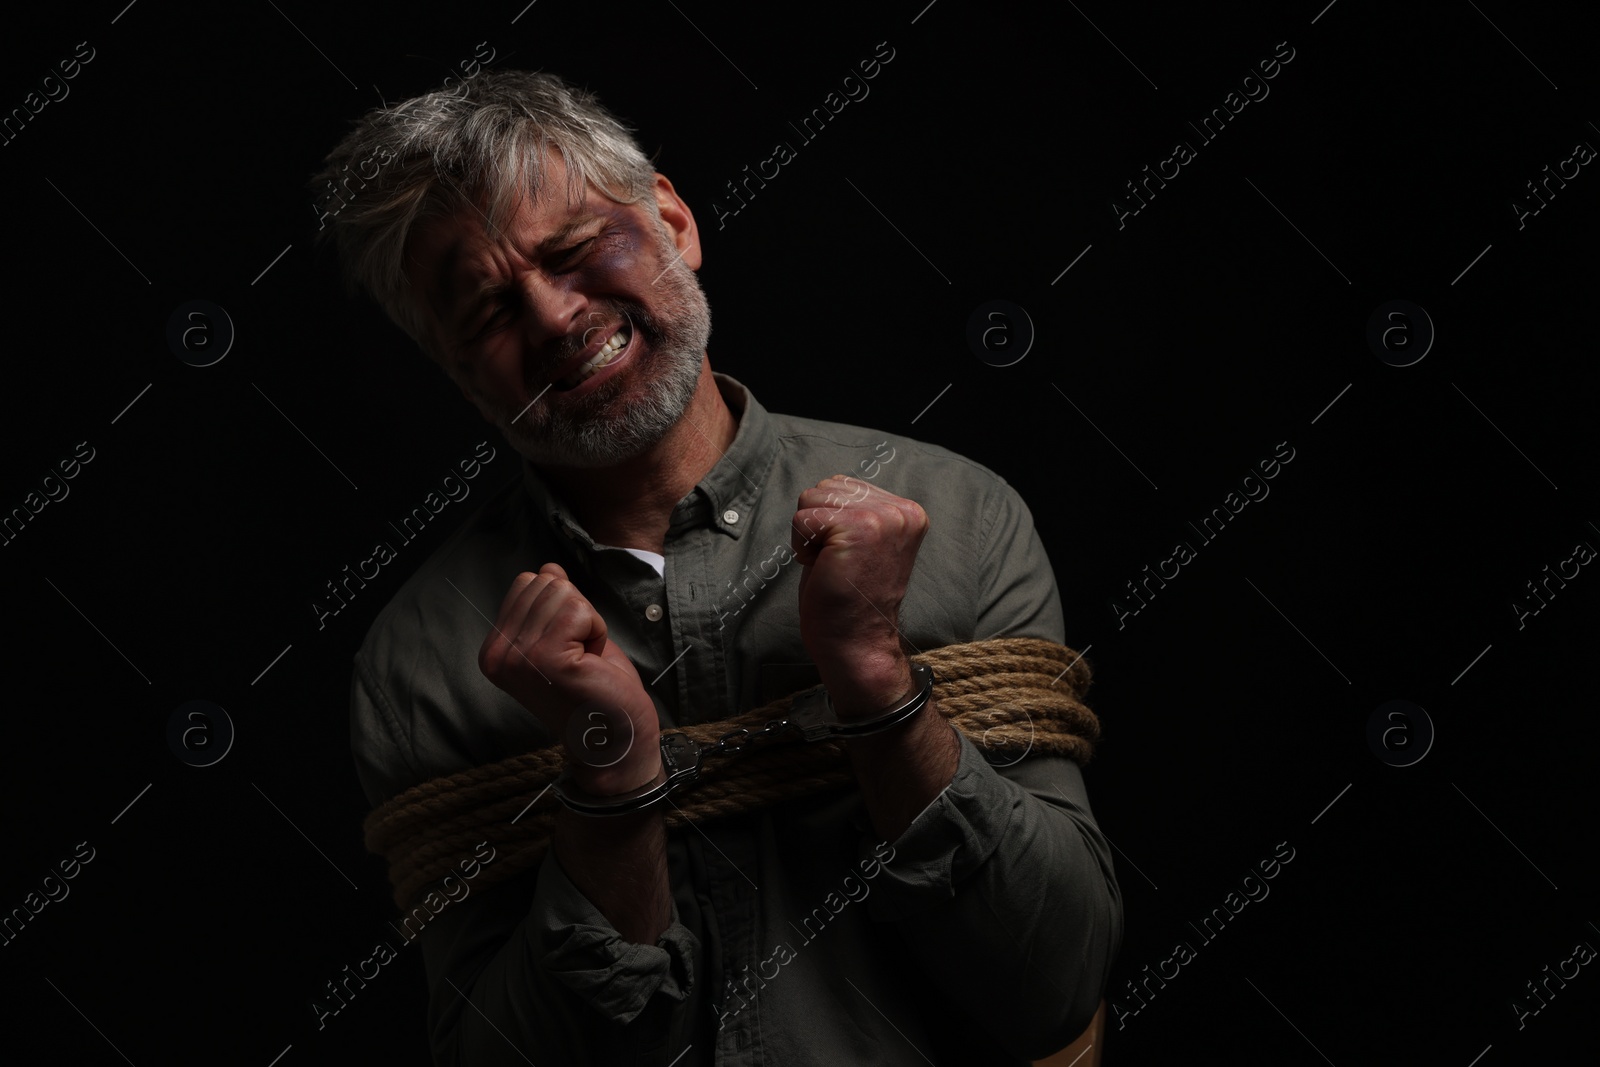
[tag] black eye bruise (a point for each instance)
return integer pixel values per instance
(568, 257)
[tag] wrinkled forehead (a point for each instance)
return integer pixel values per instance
(445, 246)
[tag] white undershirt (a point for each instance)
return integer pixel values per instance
(655, 559)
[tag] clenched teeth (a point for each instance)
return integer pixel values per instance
(617, 342)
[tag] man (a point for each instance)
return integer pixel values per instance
(673, 553)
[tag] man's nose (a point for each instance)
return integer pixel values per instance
(554, 310)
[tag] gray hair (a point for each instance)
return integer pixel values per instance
(484, 142)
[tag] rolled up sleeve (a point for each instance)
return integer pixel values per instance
(1005, 875)
(578, 948)
(552, 980)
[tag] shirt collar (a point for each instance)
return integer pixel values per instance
(724, 498)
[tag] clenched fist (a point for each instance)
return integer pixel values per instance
(857, 544)
(549, 650)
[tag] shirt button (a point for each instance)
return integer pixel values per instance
(730, 516)
(653, 612)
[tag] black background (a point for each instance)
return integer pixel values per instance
(1224, 318)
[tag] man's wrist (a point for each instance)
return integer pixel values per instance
(640, 767)
(872, 688)
(902, 771)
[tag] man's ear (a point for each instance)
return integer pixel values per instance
(679, 221)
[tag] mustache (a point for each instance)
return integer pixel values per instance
(598, 322)
(599, 327)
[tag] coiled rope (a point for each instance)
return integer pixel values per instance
(1011, 695)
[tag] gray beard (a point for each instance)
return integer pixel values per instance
(603, 430)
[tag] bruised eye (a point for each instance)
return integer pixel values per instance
(569, 257)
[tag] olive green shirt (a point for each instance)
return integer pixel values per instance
(983, 935)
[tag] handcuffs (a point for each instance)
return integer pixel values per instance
(811, 715)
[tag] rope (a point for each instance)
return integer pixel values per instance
(1011, 695)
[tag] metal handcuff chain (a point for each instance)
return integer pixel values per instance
(811, 717)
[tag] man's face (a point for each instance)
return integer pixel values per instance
(580, 330)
